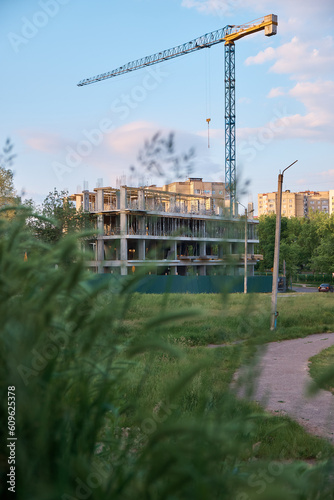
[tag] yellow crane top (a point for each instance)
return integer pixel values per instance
(267, 23)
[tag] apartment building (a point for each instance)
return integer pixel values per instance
(331, 201)
(179, 232)
(298, 204)
(196, 185)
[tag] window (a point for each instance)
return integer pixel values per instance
(220, 192)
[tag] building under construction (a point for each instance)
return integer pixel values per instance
(180, 228)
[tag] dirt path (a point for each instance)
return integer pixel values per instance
(283, 379)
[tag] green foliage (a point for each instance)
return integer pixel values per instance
(159, 158)
(306, 244)
(322, 369)
(60, 217)
(8, 194)
(85, 423)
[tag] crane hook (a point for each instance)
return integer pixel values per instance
(208, 121)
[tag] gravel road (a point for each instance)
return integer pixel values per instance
(282, 382)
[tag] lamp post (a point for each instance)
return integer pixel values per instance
(274, 313)
(246, 244)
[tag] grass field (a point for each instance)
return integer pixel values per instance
(322, 369)
(215, 319)
(187, 324)
(118, 396)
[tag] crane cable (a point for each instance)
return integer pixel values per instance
(208, 92)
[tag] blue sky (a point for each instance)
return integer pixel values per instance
(66, 135)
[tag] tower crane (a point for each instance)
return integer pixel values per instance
(228, 35)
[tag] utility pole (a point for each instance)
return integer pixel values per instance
(246, 245)
(274, 313)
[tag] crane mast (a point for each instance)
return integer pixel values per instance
(228, 35)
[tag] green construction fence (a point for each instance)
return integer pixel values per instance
(188, 284)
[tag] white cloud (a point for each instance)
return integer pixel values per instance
(328, 173)
(315, 125)
(262, 57)
(300, 60)
(217, 7)
(286, 7)
(244, 100)
(41, 141)
(128, 139)
(318, 99)
(276, 92)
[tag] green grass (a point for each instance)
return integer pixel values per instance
(222, 320)
(156, 379)
(216, 319)
(119, 397)
(322, 369)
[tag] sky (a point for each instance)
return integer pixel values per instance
(70, 137)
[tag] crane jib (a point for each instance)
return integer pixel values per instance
(228, 35)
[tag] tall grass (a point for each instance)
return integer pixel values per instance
(108, 407)
(322, 369)
(229, 318)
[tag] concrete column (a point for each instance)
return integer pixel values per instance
(100, 200)
(141, 249)
(85, 201)
(172, 203)
(123, 230)
(123, 224)
(141, 200)
(124, 255)
(123, 198)
(78, 202)
(174, 248)
(202, 248)
(202, 270)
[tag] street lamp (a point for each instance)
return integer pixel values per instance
(246, 242)
(274, 313)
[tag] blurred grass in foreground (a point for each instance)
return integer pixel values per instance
(107, 407)
(322, 369)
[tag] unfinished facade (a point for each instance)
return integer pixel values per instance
(179, 233)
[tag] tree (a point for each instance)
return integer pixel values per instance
(323, 259)
(306, 243)
(59, 217)
(8, 194)
(267, 230)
